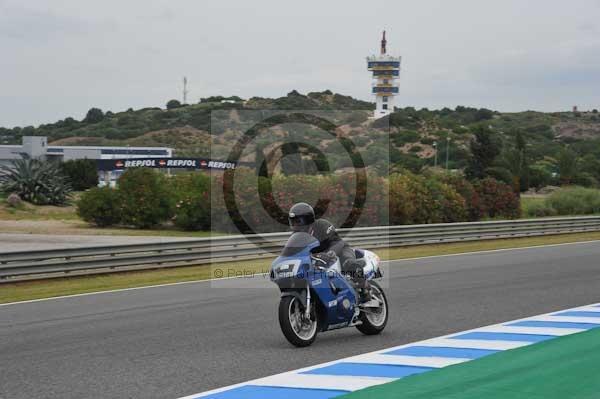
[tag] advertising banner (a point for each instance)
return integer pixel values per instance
(164, 163)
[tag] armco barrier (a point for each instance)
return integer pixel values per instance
(102, 259)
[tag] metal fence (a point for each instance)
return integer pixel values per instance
(102, 259)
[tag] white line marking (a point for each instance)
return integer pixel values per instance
(589, 309)
(419, 361)
(558, 332)
(568, 319)
(263, 274)
(473, 343)
(345, 383)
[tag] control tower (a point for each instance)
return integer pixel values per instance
(386, 74)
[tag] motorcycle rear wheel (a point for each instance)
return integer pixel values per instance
(295, 327)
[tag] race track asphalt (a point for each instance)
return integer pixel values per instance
(171, 341)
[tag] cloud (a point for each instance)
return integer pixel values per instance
(65, 56)
(36, 26)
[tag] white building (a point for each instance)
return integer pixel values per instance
(386, 74)
(37, 147)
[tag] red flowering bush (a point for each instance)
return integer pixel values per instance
(261, 205)
(466, 190)
(498, 199)
(250, 203)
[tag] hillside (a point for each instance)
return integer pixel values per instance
(412, 132)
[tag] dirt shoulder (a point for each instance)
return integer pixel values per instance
(78, 227)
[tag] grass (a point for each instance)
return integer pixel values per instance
(64, 220)
(27, 211)
(533, 206)
(27, 290)
(30, 212)
(567, 201)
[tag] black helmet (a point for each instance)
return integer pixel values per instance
(301, 216)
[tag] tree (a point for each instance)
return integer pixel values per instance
(567, 165)
(28, 131)
(94, 115)
(483, 114)
(515, 161)
(485, 147)
(591, 164)
(81, 173)
(172, 104)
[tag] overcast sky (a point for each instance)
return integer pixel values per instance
(61, 57)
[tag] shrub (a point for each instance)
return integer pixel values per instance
(448, 206)
(499, 173)
(266, 210)
(463, 187)
(100, 206)
(403, 191)
(341, 190)
(145, 198)
(537, 208)
(416, 199)
(498, 199)
(575, 201)
(191, 193)
(81, 173)
(585, 179)
(35, 181)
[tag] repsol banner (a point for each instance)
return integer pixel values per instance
(163, 163)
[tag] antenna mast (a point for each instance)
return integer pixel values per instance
(383, 44)
(185, 90)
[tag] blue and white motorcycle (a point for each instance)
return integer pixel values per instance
(317, 297)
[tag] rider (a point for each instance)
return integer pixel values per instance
(302, 218)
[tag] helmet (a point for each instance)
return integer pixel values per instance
(301, 216)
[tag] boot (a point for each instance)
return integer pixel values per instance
(363, 286)
(366, 299)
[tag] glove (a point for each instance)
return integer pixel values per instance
(326, 257)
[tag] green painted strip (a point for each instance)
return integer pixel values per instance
(565, 367)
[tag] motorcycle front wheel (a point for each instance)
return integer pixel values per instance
(296, 327)
(374, 320)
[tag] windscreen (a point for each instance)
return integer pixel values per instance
(297, 242)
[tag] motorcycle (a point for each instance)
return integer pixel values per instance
(317, 297)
